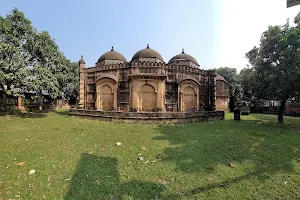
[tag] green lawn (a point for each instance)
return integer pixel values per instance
(76, 158)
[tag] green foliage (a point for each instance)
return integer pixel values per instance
(42, 80)
(247, 80)
(30, 61)
(276, 64)
(71, 84)
(77, 158)
(15, 30)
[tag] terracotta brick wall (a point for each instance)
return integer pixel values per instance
(222, 95)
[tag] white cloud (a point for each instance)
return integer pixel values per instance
(242, 23)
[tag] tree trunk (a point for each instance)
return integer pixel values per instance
(41, 105)
(281, 112)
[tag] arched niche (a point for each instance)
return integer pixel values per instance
(148, 98)
(189, 99)
(106, 96)
(188, 96)
(147, 93)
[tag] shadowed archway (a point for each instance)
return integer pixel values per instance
(148, 98)
(188, 99)
(106, 98)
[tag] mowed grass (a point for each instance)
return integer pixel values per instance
(76, 158)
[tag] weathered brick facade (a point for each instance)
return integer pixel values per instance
(222, 93)
(146, 84)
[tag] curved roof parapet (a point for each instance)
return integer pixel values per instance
(180, 79)
(115, 78)
(221, 78)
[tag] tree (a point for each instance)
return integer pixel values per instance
(230, 75)
(45, 52)
(276, 65)
(71, 86)
(247, 81)
(30, 61)
(48, 65)
(15, 30)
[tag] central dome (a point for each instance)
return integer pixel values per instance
(184, 56)
(147, 53)
(112, 55)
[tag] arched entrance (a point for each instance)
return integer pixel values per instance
(148, 98)
(188, 99)
(106, 98)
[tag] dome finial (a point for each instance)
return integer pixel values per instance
(182, 50)
(147, 46)
(81, 61)
(112, 48)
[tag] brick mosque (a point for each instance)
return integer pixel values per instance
(147, 83)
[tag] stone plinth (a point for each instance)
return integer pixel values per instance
(150, 117)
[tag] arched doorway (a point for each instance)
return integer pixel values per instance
(188, 99)
(106, 98)
(148, 98)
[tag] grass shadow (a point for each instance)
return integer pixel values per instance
(291, 123)
(97, 178)
(20, 114)
(63, 112)
(204, 147)
(222, 184)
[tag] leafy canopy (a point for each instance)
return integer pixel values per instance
(275, 65)
(30, 61)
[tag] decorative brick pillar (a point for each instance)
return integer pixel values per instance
(212, 90)
(81, 84)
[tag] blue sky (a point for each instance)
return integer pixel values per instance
(216, 32)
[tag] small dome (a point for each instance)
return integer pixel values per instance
(220, 78)
(147, 53)
(184, 56)
(112, 55)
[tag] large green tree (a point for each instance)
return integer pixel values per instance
(45, 52)
(15, 31)
(47, 60)
(30, 61)
(247, 81)
(276, 65)
(230, 75)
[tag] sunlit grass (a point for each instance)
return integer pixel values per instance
(75, 158)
